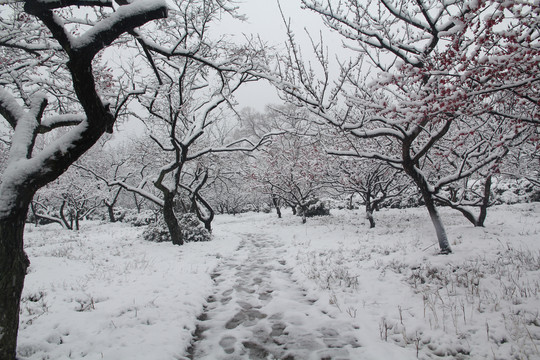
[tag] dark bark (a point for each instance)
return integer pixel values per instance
(275, 201)
(13, 265)
(67, 225)
(110, 205)
(137, 203)
(171, 220)
(369, 209)
(77, 224)
(369, 216)
(429, 202)
(110, 210)
(34, 212)
(350, 202)
(293, 209)
(197, 200)
(304, 210)
(210, 213)
(45, 219)
(485, 202)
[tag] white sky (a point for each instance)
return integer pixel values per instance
(265, 20)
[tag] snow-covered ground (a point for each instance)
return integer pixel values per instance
(268, 288)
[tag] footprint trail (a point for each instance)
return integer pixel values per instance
(258, 311)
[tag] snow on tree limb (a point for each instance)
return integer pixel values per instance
(10, 108)
(56, 4)
(57, 121)
(104, 32)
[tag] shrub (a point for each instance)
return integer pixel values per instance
(192, 230)
(120, 213)
(145, 217)
(157, 232)
(314, 207)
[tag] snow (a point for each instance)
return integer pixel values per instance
(267, 288)
(123, 13)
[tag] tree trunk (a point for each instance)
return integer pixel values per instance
(476, 221)
(110, 210)
(275, 201)
(485, 202)
(369, 210)
(34, 212)
(369, 216)
(77, 219)
(304, 210)
(171, 220)
(137, 204)
(466, 213)
(63, 217)
(437, 223)
(13, 265)
(206, 220)
(424, 187)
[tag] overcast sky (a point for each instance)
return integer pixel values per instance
(265, 20)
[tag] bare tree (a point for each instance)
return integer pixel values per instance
(294, 169)
(375, 182)
(429, 76)
(69, 199)
(188, 95)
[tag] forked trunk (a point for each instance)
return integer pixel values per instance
(480, 220)
(13, 265)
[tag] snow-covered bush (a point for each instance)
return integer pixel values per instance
(145, 217)
(120, 213)
(157, 232)
(314, 207)
(513, 191)
(192, 230)
(266, 210)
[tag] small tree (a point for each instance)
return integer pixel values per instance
(294, 167)
(69, 199)
(375, 182)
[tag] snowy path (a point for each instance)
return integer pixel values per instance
(257, 311)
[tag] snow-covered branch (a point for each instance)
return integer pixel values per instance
(233, 146)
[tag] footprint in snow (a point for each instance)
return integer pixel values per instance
(258, 311)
